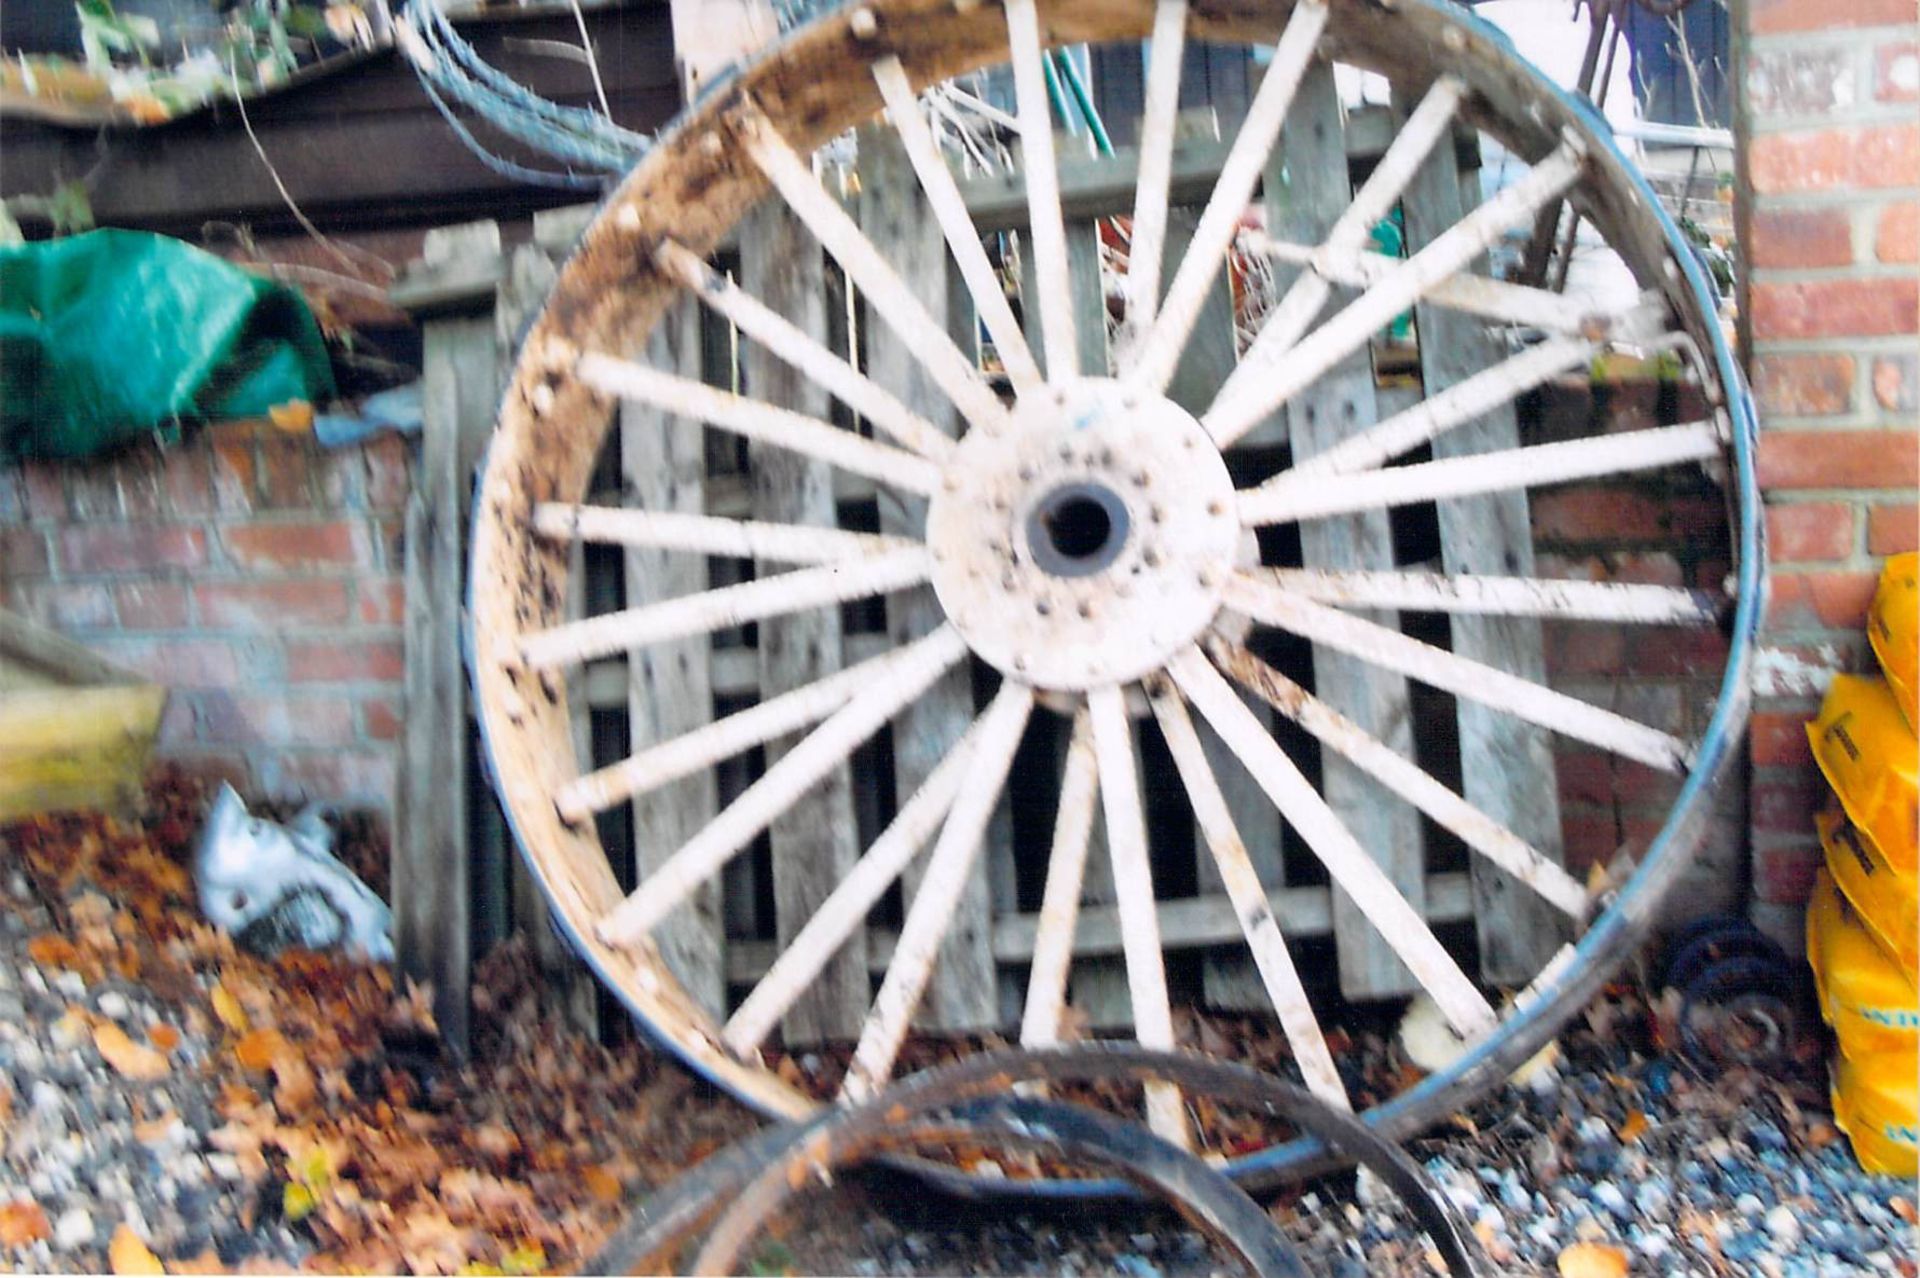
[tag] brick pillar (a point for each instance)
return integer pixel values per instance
(1830, 186)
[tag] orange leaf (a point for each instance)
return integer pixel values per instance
(130, 1059)
(1632, 1128)
(128, 1255)
(163, 1036)
(603, 1184)
(258, 1049)
(1593, 1260)
(53, 949)
(23, 1223)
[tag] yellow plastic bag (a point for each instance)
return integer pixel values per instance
(1868, 997)
(1867, 751)
(1893, 627)
(1887, 904)
(1878, 1107)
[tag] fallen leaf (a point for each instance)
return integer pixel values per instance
(1592, 1260)
(530, 1259)
(164, 1037)
(297, 1200)
(602, 1184)
(22, 1224)
(52, 950)
(227, 1008)
(128, 1058)
(258, 1049)
(128, 1255)
(1632, 1128)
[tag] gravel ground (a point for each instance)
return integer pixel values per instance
(1637, 1161)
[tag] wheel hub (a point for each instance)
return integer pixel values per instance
(1089, 542)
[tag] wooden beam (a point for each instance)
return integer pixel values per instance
(1506, 763)
(1102, 186)
(815, 841)
(667, 688)
(1307, 193)
(894, 212)
(432, 874)
(1186, 923)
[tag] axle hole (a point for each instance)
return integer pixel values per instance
(1077, 529)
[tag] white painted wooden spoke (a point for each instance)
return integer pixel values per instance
(798, 771)
(1404, 777)
(1259, 387)
(647, 770)
(1249, 898)
(1134, 900)
(684, 397)
(1159, 353)
(1506, 596)
(1060, 902)
(1149, 231)
(932, 910)
(847, 905)
(787, 343)
(885, 291)
(710, 535)
(1310, 290)
(1372, 642)
(1474, 294)
(1352, 869)
(963, 238)
(573, 642)
(1318, 496)
(1052, 293)
(1463, 402)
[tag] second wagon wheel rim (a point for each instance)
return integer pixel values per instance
(1038, 529)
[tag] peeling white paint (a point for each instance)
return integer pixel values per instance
(1787, 672)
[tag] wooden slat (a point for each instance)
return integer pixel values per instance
(1101, 186)
(1230, 978)
(431, 863)
(1307, 191)
(668, 686)
(815, 841)
(1506, 764)
(1186, 923)
(895, 215)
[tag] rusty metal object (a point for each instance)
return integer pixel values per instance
(734, 1193)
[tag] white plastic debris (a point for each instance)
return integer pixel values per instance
(278, 886)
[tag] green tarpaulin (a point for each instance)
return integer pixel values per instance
(114, 335)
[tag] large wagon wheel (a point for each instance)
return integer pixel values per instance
(1085, 541)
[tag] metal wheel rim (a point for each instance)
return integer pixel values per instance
(579, 303)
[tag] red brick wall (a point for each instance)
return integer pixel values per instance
(256, 574)
(1831, 183)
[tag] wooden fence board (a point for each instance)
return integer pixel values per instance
(431, 871)
(816, 841)
(1229, 977)
(1506, 765)
(667, 686)
(1307, 187)
(897, 218)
